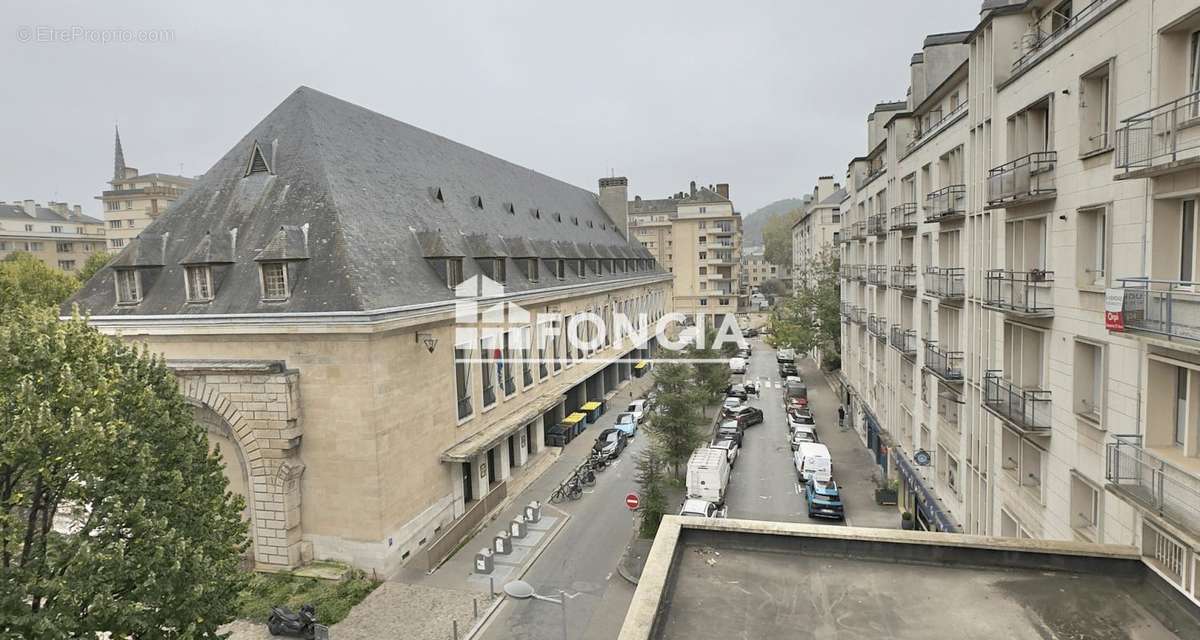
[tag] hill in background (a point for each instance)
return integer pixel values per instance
(753, 222)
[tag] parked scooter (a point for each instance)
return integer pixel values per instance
(303, 624)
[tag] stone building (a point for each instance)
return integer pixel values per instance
(356, 308)
(136, 200)
(756, 270)
(821, 218)
(1021, 335)
(697, 236)
(58, 234)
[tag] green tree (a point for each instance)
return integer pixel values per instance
(25, 280)
(94, 263)
(777, 238)
(774, 287)
(811, 319)
(675, 426)
(114, 515)
(711, 371)
(651, 479)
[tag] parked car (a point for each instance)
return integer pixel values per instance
(737, 365)
(701, 509)
(787, 369)
(708, 475)
(610, 443)
(802, 435)
(785, 356)
(823, 498)
(799, 416)
(729, 430)
(730, 447)
(628, 423)
(751, 333)
(745, 415)
(736, 391)
(638, 409)
(731, 402)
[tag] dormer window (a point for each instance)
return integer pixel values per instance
(274, 281)
(129, 286)
(531, 268)
(557, 267)
(594, 265)
(198, 280)
(494, 268)
(579, 268)
(607, 265)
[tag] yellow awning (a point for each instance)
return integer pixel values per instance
(574, 417)
(590, 406)
(640, 365)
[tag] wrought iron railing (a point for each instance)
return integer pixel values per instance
(1165, 307)
(904, 340)
(904, 277)
(904, 217)
(1158, 485)
(858, 231)
(858, 315)
(1034, 43)
(1030, 176)
(877, 326)
(1028, 292)
(936, 126)
(946, 203)
(1026, 409)
(846, 306)
(858, 272)
(877, 224)
(1159, 134)
(946, 365)
(945, 282)
(877, 274)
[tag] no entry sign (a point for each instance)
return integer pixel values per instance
(632, 501)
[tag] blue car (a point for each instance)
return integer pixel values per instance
(823, 499)
(627, 422)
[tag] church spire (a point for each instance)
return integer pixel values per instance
(118, 157)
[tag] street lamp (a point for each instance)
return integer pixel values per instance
(522, 590)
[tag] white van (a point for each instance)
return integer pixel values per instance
(811, 458)
(708, 475)
(737, 365)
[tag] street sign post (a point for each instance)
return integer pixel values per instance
(632, 501)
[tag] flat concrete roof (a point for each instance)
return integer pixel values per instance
(736, 579)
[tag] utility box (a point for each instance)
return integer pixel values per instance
(517, 527)
(483, 561)
(533, 512)
(502, 544)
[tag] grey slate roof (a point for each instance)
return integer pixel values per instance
(836, 197)
(363, 184)
(17, 212)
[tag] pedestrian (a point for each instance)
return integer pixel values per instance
(841, 415)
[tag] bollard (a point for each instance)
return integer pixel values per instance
(517, 527)
(454, 629)
(533, 511)
(502, 544)
(492, 586)
(483, 561)
(475, 607)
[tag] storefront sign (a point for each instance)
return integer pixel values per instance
(1114, 309)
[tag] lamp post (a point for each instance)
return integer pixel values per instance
(522, 590)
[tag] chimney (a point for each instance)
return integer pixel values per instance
(614, 199)
(723, 189)
(30, 208)
(693, 187)
(77, 211)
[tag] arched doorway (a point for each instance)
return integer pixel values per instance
(220, 435)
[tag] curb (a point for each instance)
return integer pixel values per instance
(621, 570)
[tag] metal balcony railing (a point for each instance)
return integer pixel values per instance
(877, 274)
(1025, 409)
(858, 272)
(844, 271)
(945, 283)
(1025, 178)
(1156, 484)
(1046, 33)
(1165, 307)
(845, 308)
(904, 340)
(858, 231)
(721, 230)
(946, 365)
(1028, 293)
(936, 126)
(1159, 135)
(858, 315)
(877, 326)
(877, 224)
(904, 217)
(904, 277)
(946, 203)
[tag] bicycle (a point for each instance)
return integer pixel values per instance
(585, 475)
(559, 494)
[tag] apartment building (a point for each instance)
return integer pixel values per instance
(135, 199)
(55, 233)
(756, 270)
(817, 230)
(369, 321)
(697, 236)
(1022, 328)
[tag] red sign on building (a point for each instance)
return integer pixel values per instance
(1114, 309)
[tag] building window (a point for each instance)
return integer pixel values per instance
(64, 247)
(114, 224)
(554, 341)
(1089, 381)
(33, 246)
(199, 283)
(1092, 247)
(531, 269)
(704, 302)
(462, 379)
(558, 268)
(487, 371)
(117, 243)
(1095, 110)
(129, 205)
(526, 363)
(1085, 508)
(129, 223)
(29, 227)
(129, 289)
(54, 228)
(1194, 75)
(504, 365)
(274, 281)
(703, 271)
(66, 265)
(1181, 406)
(723, 301)
(704, 255)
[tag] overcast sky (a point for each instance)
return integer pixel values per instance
(763, 95)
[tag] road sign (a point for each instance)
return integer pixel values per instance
(632, 501)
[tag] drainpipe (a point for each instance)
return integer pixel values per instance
(1148, 201)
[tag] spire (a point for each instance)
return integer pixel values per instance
(118, 157)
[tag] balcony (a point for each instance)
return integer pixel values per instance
(858, 231)
(1046, 35)
(946, 204)
(904, 217)
(1160, 139)
(858, 272)
(1167, 308)
(877, 274)
(904, 278)
(1026, 409)
(721, 230)
(147, 192)
(946, 365)
(945, 283)
(877, 225)
(1150, 481)
(903, 340)
(845, 309)
(1028, 294)
(858, 315)
(877, 326)
(721, 257)
(1027, 179)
